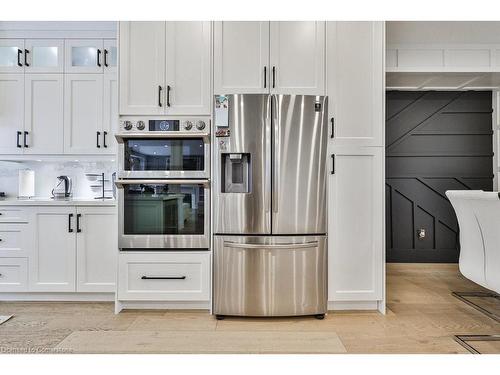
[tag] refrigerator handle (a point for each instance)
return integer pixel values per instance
(267, 183)
(276, 151)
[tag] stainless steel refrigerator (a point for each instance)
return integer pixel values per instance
(270, 243)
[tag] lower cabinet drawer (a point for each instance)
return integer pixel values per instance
(164, 276)
(15, 240)
(13, 214)
(13, 274)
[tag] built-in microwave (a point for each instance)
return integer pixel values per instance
(161, 214)
(164, 148)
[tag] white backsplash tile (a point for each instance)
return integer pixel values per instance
(46, 173)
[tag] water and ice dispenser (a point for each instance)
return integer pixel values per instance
(236, 172)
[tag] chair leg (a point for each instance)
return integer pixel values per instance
(462, 296)
(463, 340)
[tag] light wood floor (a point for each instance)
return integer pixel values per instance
(422, 317)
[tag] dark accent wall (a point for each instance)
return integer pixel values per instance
(435, 141)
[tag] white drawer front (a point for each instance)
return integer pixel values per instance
(164, 277)
(14, 240)
(13, 215)
(13, 274)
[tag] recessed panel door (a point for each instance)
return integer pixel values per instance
(11, 113)
(11, 55)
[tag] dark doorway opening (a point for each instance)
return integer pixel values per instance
(435, 141)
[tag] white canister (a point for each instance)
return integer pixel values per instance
(26, 183)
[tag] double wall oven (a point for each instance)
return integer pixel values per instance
(163, 183)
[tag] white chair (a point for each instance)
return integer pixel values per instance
(478, 215)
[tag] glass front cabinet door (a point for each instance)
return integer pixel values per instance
(11, 55)
(44, 55)
(84, 56)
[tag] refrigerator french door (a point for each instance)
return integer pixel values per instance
(270, 206)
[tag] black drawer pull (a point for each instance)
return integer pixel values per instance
(106, 58)
(159, 96)
(25, 139)
(274, 77)
(333, 164)
(265, 76)
(19, 57)
(78, 229)
(332, 120)
(26, 57)
(163, 277)
(97, 140)
(168, 95)
(104, 139)
(18, 135)
(99, 57)
(70, 230)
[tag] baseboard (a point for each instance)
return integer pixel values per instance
(58, 297)
(162, 305)
(353, 305)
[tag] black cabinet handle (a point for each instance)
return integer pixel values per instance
(97, 143)
(163, 277)
(333, 164)
(78, 229)
(70, 230)
(18, 135)
(168, 95)
(159, 96)
(19, 63)
(274, 77)
(106, 58)
(265, 76)
(99, 57)
(26, 57)
(104, 139)
(332, 120)
(25, 139)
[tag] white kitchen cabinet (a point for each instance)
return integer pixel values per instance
(97, 249)
(142, 67)
(43, 114)
(15, 240)
(12, 113)
(188, 68)
(110, 114)
(297, 57)
(13, 274)
(84, 56)
(44, 56)
(83, 113)
(110, 57)
(356, 224)
(241, 57)
(355, 82)
(11, 55)
(52, 264)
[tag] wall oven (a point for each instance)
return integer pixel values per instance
(164, 148)
(163, 184)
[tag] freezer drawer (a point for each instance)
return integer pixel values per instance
(270, 276)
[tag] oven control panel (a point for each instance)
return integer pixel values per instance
(173, 124)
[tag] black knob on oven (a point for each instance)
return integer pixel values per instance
(127, 125)
(200, 125)
(188, 125)
(140, 125)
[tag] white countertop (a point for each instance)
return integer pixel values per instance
(46, 201)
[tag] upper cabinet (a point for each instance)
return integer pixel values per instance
(355, 83)
(269, 57)
(297, 57)
(165, 68)
(31, 55)
(241, 57)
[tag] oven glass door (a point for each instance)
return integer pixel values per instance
(163, 214)
(164, 157)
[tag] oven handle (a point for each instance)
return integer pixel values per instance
(156, 135)
(158, 181)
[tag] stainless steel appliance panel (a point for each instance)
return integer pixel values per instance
(270, 276)
(163, 214)
(242, 206)
(299, 155)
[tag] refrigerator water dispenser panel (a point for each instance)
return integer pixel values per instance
(236, 173)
